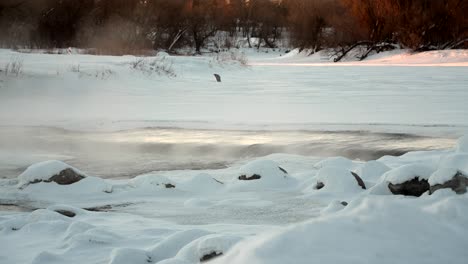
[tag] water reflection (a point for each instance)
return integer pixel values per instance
(132, 152)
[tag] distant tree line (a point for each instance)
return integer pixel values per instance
(125, 26)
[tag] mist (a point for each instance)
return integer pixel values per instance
(124, 154)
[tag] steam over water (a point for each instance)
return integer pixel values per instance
(133, 152)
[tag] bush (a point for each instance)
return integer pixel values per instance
(158, 65)
(14, 67)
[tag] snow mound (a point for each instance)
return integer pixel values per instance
(95, 236)
(207, 247)
(129, 255)
(462, 145)
(151, 181)
(409, 172)
(261, 174)
(40, 218)
(442, 175)
(339, 162)
(171, 245)
(74, 192)
(363, 233)
(337, 179)
(372, 170)
(449, 165)
(48, 257)
(174, 261)
(334, 207)
(75, 228)
(43, 171)
(457, 161)
(65, 209)
(264, 168)
(408, 180)
(202, 182)
(448, 207)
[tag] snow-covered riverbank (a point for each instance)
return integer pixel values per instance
(277, 209)
(256, 188)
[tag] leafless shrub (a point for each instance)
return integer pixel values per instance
(74, 68)
(159, 65)
(101, 74)
(14, 66)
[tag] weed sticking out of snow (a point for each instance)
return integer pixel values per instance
(160, 65)
(100, 74)
(14, 67)
(74, 68)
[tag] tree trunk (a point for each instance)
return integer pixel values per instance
(345, 52)
(176, 39)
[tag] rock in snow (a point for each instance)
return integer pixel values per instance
(452, 173)
(359, 180)
(50, 171)
(336, 179)
(207, 248)
(410, 180)
(413, 187)
(457, 183)
(149, 180)
(261, 168)
(261, 174)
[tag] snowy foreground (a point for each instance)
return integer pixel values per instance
(278, 209)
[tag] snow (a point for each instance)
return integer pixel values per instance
(271, 177)
(202, 182)
(335, 162)
(337, 179)
(333, 207)
(462, 145)
(171, 245)
(409, 172)
(449, 166)
(372, 170)
(442, 175)
(456, 161)
(86, 186)
(370, 234)
(43, 171)
(194, 251)
(364, 97)
(151, 180)
(128, 255)
(397, 57)
(281, 220)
